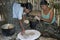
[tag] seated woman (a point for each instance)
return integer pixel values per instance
(47, 15)
(48, 19)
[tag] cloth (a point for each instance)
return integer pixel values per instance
(47, 29)
(17, 11)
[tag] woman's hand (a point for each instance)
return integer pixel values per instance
(36, 17)
(23, 32)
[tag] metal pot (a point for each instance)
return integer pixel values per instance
(8, 29)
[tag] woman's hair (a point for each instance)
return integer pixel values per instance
(44, 2)
(27, 5)
(22, 4)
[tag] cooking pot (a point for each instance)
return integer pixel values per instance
(8, 29)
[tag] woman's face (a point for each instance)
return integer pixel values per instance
(27, 10)
(44, 7)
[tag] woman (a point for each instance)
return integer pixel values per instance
(48, 15)
(19, 12)
(48, 19)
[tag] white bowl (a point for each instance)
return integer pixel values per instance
(26, 21)
(29, 37)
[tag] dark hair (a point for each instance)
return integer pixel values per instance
(29, 6)
(22, 4)
(44, 2)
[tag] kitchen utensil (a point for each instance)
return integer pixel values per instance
(8, 29)
(29, 35)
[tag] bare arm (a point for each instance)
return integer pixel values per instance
(21, 24)
(21, 20)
